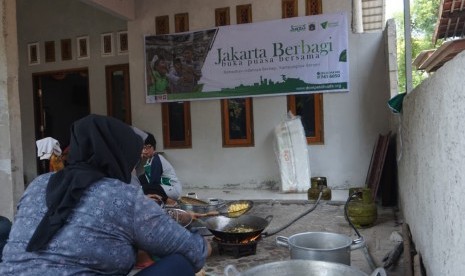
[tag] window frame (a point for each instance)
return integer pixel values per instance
(243, 10)
(225, 122)
(285, 4)
(181, 22)
(248, 105)
(318, 116)
(181, 25)
(312, 7)
(162, 24)
(167, 142)
(109, 70)
(222, 12)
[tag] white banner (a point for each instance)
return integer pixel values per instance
(288, 56)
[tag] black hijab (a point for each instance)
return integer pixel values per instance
(100, 147)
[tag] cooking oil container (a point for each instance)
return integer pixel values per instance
(362, 210)
(318, 183)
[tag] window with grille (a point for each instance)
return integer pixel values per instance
(237, 115)
(308, 106)
(176, 116)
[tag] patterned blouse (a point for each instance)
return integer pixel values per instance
(102, 235)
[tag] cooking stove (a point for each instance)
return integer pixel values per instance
(236, 250)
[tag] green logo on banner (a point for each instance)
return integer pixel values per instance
(324, 24)
(343, 56)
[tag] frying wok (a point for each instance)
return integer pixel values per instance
(221, 227)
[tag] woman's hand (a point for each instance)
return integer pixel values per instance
(170, 202)
(209, 247)
(155, 197)
(196, 215)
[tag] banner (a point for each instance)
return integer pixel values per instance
(289, 56)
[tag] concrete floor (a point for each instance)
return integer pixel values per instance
(328, 216)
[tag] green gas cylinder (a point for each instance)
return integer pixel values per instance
(362, 209)
(318, 183)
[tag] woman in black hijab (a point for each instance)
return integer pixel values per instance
(89, 218)
(100, 147)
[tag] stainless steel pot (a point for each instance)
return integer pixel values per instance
(320, 246)
(301, 268)
(201, 206)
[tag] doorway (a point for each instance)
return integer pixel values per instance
(60, 98)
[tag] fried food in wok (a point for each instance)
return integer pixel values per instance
(240, 229)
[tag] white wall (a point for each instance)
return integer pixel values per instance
(431, 169)
(352, 121)
(46, 20)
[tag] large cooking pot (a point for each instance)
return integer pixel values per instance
(320, 246)
(301, 268)
(237, 230)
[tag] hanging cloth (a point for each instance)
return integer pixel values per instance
(46, 147)
(395, 103)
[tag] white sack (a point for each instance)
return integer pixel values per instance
(292, 155)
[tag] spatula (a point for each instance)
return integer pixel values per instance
(231, 209)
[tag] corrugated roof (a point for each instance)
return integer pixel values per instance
(451, 20)
(450, 25)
